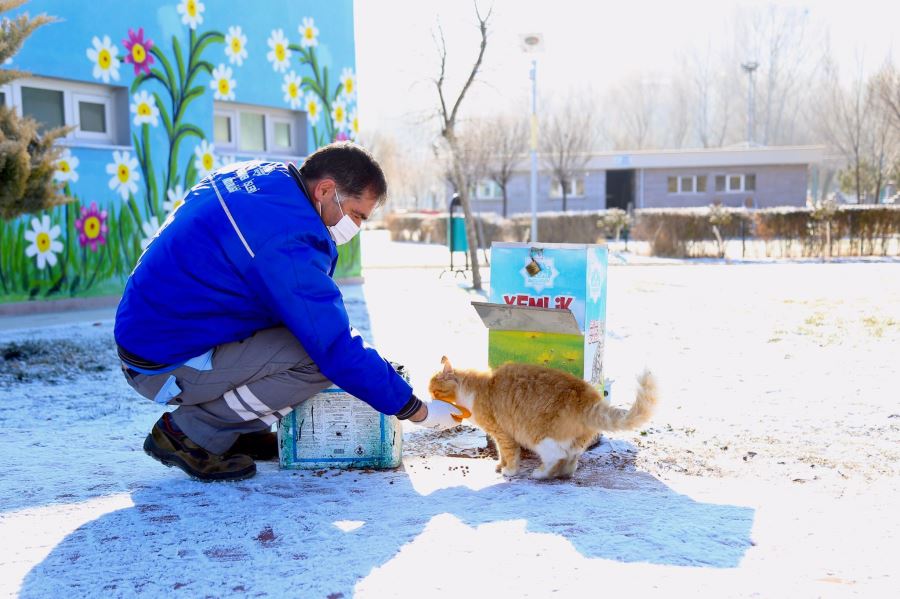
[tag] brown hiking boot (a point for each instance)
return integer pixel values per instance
(261, 446)
(167, 444)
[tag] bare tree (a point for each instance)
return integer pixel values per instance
(449, 114)
(844, 120)
(505, 141)
(567, 142)
(634, 104)
(711, 93)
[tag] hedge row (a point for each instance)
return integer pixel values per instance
(854, 230)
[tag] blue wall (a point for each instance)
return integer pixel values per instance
(61, 50)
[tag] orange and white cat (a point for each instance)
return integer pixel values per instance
(552, 413)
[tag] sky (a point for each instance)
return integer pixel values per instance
(587, 44)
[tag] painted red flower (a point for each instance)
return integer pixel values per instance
(91, 227)
(138, 51)
(342, 136)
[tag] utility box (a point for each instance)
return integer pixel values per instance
(334, 429)
(548, 306)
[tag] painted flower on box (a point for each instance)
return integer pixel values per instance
(176, 199)
(313, 108)
(348, 84)
(150, 228)
(293, 95)
(339, 115)
(222, 83)
(205, 162)
(309, 34)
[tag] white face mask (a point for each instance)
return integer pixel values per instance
(345, 229)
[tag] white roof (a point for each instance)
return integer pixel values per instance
(704, 157)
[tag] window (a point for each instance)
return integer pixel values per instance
(258, 131)
(488, 190)
(736, 183)
(88, 108)
(687, 184)
(575, 188)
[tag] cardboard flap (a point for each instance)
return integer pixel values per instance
(503, 317)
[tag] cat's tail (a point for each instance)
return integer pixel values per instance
(604, 417)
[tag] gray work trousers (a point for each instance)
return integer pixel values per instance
(251, 385)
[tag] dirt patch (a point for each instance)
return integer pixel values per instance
(54, 361)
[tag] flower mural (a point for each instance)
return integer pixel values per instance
(205, 162)
(105, 57)
(309, 34)
(222, 83)
(150, 228)
(66, 167)
(280, 53)
(92, 227)
(191, 12)
(293, 94)
(124, 173)
(176, 73)
(339, 115)
(138, 51)
(348, 85)
(44, 245)
(312, 108)
(235, 45)
(176, 199)
(144, 109)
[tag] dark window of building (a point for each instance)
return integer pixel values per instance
(45, 106)
(749, 182)
(673, 185)
(720, 182)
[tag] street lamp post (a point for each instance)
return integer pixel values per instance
(531, 43)
(749, 67)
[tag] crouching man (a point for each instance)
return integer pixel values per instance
(231, 313)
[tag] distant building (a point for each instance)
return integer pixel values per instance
(756, 177)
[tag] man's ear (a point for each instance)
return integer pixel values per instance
(323, 189)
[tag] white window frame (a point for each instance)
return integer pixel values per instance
(7, 94)
(233, 111)
(106, 101)
(742, 188)
(270, 133)
(556, 188)
(73, 92)
(495, 192)
(232, 129)
(679, 189)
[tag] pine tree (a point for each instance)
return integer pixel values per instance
(27, 156)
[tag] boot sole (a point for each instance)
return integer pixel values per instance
(170, 460)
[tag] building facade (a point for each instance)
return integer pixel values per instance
(158, 94)
(755, 177)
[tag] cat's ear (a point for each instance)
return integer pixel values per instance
(448, 368)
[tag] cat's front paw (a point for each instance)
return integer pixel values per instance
(500, 467)
(509, 470)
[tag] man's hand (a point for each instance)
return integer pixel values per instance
(438, 415)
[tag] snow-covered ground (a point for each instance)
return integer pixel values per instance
(770, 470)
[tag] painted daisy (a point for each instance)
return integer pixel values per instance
(43, 242)
(222, 83)
(191, 12)
(280, 54)
(144, 109)
(339, 115)
(309, 34)
(138, 51)
(176, 199)
(348, 84)
(65, 167)
(91, 227)
(124, 171)
(235, 45)
(354, 124)
(313, 108)
(151, 228)
(206, 158)
(291, 89)
(105, 57)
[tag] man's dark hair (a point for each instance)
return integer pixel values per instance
(351, 166)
